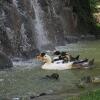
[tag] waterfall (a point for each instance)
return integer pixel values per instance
(10, 33)
(15, 3)
(41, 37)
(25, 45)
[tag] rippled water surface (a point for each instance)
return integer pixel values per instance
(26, 78)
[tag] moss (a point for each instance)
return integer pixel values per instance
(93, 95)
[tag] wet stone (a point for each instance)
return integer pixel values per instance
(5, 62)
(15, 98)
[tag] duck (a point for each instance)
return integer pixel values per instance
(57, 57)
(61, 65)
(84, 64)
(55, 66)
(65, 56)
(56, 52)
(49, 65)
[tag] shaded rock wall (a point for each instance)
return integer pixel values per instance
(5, 62)
(18, 32)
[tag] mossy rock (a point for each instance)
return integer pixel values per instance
(5, 62)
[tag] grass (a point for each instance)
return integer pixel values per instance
(98, 25)
(93, 95)
(21, 82)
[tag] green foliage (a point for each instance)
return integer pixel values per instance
(98, 25)
(89, 96)
(93, 4)
(85, 9)
(84, 12)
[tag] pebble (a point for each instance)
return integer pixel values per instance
(1, 80)
(15, 98)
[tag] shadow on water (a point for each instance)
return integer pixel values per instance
(28, 81)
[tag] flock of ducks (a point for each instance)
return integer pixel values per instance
(63, 61)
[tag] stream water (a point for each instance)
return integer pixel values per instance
(26, 78)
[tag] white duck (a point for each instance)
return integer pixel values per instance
(54, 66)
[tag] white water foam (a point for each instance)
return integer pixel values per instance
(41, 32)
(25, 64)
(15, 3)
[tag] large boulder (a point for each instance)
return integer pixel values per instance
(30, 54)
(5, 62)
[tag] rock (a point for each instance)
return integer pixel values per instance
(81, 85)
(5, 62)
(96, 80)
(71, 39)
(1, 80)
(43, 3)
(30, 54)
(87, 37)
(9, 1)
(54, 76)
(15, 98)
(90, 79)
(86, 79)
(32, 97)
(42, 94)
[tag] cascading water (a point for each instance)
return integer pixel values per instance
(2, 18)
(15, 3)
(41, 33)
(25, 44)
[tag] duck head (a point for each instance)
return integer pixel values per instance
(44, 58)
